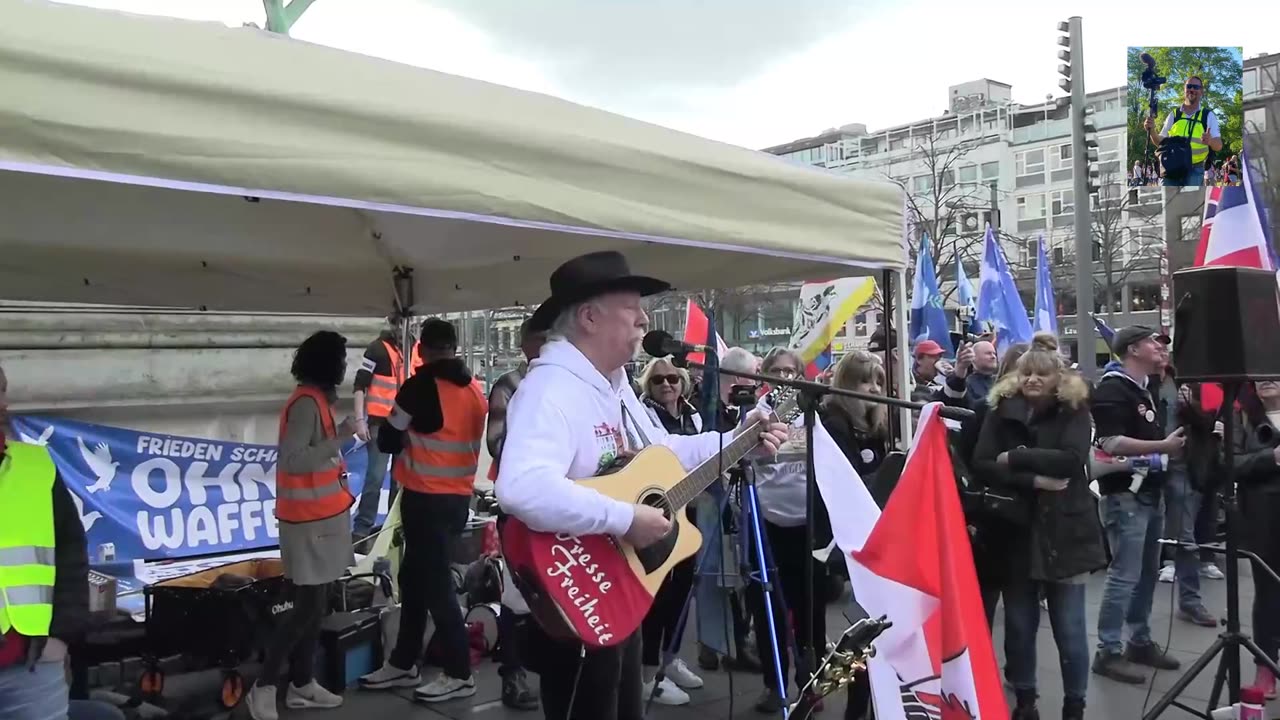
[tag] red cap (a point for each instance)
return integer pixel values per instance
(928, 347)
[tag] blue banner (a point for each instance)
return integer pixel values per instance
(145, 496)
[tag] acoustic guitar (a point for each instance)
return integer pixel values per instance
(597, 589)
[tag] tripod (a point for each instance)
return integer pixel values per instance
(1232, 639)
(750, 511)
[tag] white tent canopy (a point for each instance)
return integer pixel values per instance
(151, 161)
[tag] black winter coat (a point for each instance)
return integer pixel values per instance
(1258, 479)
(1065, 537)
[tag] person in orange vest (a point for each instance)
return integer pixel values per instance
(513, 617)
(312, 502)
(435, 430)
(44, 578)
(374, 390)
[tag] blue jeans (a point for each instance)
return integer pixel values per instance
(1133, 529)
(1182, 507)
(39, 693)
(1066, 616)
(371, 492)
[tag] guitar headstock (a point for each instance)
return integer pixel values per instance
(785, 402)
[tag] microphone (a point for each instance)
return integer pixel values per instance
(1147, 60)
(659, 343)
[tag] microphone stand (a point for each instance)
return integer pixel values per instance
(810, 397)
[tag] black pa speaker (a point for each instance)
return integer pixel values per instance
(1226, 324)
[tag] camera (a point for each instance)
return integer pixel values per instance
(742, 396)
(1151, 79)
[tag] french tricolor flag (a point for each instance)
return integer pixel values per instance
(696, 332)
(1235, 233)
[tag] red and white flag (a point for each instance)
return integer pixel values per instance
(913, 563)
(695, 332)
(1234, 232)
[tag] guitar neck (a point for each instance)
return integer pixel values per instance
(703, 476)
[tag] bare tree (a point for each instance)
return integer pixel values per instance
(947, 210)
(1127, 236)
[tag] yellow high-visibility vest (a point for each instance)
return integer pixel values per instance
(26, 539)
(1185, 126)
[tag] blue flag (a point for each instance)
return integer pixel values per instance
(928, 318)
(966, 298)
(1046, 309)
(998, 301)
(1104, 331)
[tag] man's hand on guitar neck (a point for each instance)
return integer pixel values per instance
(647, 527)
(773, 434)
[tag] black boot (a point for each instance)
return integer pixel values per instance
(1026, 709)
(1073, 709)
(516, 692)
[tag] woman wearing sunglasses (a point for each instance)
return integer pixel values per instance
(663, 390)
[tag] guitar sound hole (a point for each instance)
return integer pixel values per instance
(652, 557)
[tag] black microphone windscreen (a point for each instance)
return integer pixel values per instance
(657, 343)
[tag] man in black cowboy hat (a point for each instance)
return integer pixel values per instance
(573, 415)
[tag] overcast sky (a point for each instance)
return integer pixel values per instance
(754, 72)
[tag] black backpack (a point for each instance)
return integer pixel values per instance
(1175, 152)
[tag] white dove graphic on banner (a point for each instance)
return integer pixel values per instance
(42, 441)
(86, 520)
(100, 464)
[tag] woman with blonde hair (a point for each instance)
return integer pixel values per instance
(1035, 441)
(663, 388)
(859, 427)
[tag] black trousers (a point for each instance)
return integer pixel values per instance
(660, 625)
(513, 638)
(297, 637)
(602, 685)
(789, 548)
(431, 524)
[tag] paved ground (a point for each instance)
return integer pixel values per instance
(1106, 699)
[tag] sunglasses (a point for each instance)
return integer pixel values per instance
(668, 379)
(1193, 87)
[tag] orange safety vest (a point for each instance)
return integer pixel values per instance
(381, 396)
(445, 462)
(303, 497)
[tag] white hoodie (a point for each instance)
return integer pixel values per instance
(566, 422)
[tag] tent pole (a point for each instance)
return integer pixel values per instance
(402, 281)
(903, 321)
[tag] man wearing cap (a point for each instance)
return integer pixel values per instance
(1126, 425)
(573, 416)
(929, 372)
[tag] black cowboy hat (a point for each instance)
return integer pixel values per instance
(588, 276)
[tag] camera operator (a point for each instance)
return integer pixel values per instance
(1197, 124)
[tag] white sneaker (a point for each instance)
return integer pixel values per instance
(389, 676)
(445, 688)
(682, 676)
(311, 695)
(262, 702)
(1166, 574)
(1211, 571)
(668, 693)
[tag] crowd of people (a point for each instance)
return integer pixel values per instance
(1059, 477)
(1216, 174)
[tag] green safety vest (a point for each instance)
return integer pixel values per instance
(26, 540)
(1184, 126)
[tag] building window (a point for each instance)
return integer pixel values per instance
(1255, 120)
(1144, 297)
(948, 178)
(1063, 202)
(1250, 82)
(1108, 148)
(1190, 228)
(1030, 162)
(1267, 79)
(1060, 157)
(1031, 207)
(967, 174)
(990, 171)
(922, 184)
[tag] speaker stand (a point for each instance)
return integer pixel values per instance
(1230, 641)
